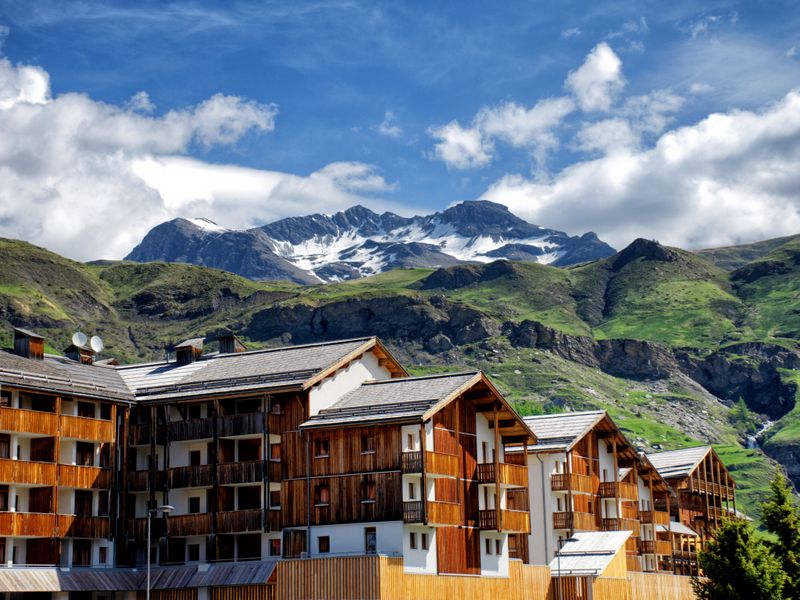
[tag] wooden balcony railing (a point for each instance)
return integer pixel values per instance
(236, 521)
(412, 511)
(14, 524)
(621, 525)
(28, 421)
(193, 476)
(563, 482)
(137, 528)
(619, 489)
(662, 547)
(26, 472)
(79, 526)
(275, 470)
(90, 478)
(411, 462)
(634, 562)
(654, 517)
(139, 435)
(439, 463)
(138, 481)
(444, 513)
(510, 475)
(577, 521)
(632, 544)
(274, 519)
(190, 429)
(84, 428)
(512, 521)
(186, 525)
(246, 424)
(249, 471)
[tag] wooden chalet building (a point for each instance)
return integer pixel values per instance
(414, 467)
(586, 476)
(60, 421)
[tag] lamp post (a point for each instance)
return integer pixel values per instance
(561, 542)
(166, 508)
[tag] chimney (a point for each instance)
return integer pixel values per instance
(28, 344)
(81, 354)
(229, 343)
(189, 351)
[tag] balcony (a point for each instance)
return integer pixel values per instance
(236, 425)
(90, 478)
(250, 471)
(84, 428)
(274, 519)
(25, 472)
(186, 525)
(634, 562)
(654, 517)
(413, 512)
(140, 435)
(621, 525)
(439, 464)
(14, 524)
(193, 476)
(236, 521)
(190, 429)
(138, 481)
(79, 526)
(512, 521)
(510, 475)
(632, 544)
(578, 521)
(411, 462)
(28, 421)
(618, 489)
(439, 513)
(137, 528)
(661, 547)
(563, 482)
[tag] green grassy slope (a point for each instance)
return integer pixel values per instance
(733, 257)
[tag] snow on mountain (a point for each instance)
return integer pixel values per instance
(358, 242)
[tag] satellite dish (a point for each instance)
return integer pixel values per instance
(79, 338)
(97, 344)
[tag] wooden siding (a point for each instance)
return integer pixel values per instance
(510, 475)
(251, 471)
(244, 592)
(658, 586)
(562, 482)
(574, 520)
(444, 513)
(458, 551)
(21, 471)
(186, 525)
(74, 476)
(613, 489)
(13, 524)
(330, 578)
(29, 421)
(83, 428)
(179, 594)
(441, 464)
(235, 521)
(77, 526)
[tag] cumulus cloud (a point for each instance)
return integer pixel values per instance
(571, 32)
(729, 178)
(140, 102)
(461, 147)
(389, 126)
(598, 81)
(88, 179)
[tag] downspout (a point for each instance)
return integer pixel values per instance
(544, 512)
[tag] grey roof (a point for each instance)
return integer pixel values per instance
(56, 374)
(589, 554)
(559, 432)
(196, 343)
(678, 463)
(28, 333)
(678, 527)
(242, 371)
(406, 399)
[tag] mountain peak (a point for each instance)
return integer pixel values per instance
(642, 248)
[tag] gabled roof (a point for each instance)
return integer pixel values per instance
(677, 527)
(292, 367)
(678, 463)
(589, 554)
(63, 376)
(562, 431)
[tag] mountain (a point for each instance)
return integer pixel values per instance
(665, 340)
(731, 258)
(358, 242)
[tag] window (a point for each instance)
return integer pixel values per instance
(84, 454)
(249, 450)
(275, 452)
(324, 544)
(411, 491)
(322, 495)
(488, 546)
(424, 540)
(485, 449)
(498, 547)
(4, 498)
(83, 502)
(194, 412)
(275, 547)
(5, 445)
(105, 411)
(102, 504)
(411, 441)
(368, 491)
(249, 497)
(275, 499)
(412, 540)
(321, 448)
(102, 555)
(5, 400)
(193, 552)
(370, 540)
(558, 505)
(81, 553)
(194, 458)
(105, 455)
(194, 504)
(276, 409)
(86, 409)
(367, 444)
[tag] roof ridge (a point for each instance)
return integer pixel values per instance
(419, 377)
(662, 452)
(565, 414)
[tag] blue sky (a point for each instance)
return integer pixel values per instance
(405, 106)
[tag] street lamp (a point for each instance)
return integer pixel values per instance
(150, 512)
(561, 542)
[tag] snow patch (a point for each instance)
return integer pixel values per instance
(207, 225)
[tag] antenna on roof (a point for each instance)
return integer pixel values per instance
(79, 339)
(96, 344)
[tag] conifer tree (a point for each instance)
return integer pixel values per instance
(781, 518)
(737, 565)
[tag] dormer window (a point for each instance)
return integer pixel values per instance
(321, 448)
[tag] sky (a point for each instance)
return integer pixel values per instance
(675, 121)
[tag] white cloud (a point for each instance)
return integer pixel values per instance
(597, 82)
(389, 126)
(700, 88)
(732, 177)
(608, 135)
(88, 179)
(140, 102)
(4, 32)
(792, 52)
(571, 32)
(459, 147)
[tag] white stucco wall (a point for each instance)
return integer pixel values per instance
(349, 538)
(485, 434)
(645, 501)
(413, 431)
(542, 539)
(179, 453)
(419, 560)
(333, 388)
(494, 564)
